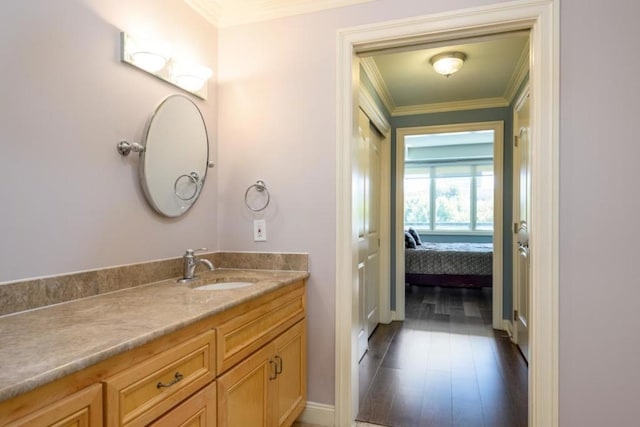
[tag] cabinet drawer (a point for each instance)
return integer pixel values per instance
(141, 393)
(197, 411)
(83, 408)
(244, 334)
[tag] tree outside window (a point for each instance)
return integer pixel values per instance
(449, 197)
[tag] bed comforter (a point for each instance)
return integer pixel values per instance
(450, 258)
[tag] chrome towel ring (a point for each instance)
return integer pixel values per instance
(260, 187)
(193, 178)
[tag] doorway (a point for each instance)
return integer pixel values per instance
(496, 130)
(444, 364)
(540, 17)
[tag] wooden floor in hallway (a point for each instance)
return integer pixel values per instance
(443, 366)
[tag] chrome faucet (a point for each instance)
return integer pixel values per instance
(190, 263)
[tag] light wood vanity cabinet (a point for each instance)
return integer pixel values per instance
(269, 387)
(81, 409)
(245, 366)
(267, 348)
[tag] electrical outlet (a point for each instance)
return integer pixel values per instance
(259, 230)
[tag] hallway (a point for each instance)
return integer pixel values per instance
(443, 366)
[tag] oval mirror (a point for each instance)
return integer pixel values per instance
(173, 165)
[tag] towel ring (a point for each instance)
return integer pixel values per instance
(260, 187)
(193, 177)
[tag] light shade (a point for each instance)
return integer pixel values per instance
(448, 63)
(148, 54)
(149, 61)
(191, 77)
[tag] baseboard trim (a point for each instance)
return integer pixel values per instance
(318, 414)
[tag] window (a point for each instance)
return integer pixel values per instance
(449, 197)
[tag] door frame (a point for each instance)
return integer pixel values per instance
(497, 126)
(542, 18)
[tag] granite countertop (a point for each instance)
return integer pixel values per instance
(45, 344)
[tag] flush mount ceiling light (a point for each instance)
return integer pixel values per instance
(448, 63)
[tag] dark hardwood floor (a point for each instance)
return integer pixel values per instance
(443, 366)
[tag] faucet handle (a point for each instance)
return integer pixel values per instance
(192, 252)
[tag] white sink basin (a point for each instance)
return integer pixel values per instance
(223, 285)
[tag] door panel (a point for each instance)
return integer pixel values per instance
(523, 299)
(367, 209)
(362, 209)
(243, 391)
(372, 291)
(522, 213)
(291, 384)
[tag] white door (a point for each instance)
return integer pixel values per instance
(367, 207)
(522, 226)
(372, 279)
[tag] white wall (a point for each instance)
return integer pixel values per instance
(68, 201)
(277, 122)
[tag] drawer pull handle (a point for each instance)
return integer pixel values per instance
(279, 365)
(176, 378)
(275, 370)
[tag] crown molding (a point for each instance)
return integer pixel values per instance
(520, 72)
(371, 70)
(373, 111)
(227, 13)
(441, 107)
(210, 10)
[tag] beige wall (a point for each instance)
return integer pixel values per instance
(277, 123)
(599, 208)
(68, 201)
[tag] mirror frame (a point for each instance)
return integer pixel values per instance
(142, 168)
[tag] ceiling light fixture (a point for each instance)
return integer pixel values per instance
(448, 63)
(155, 58)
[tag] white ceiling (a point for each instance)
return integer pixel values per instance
(225, 13)
(492, 72)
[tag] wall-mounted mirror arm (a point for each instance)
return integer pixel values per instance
(126, 147)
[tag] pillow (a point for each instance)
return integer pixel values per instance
(415, 236)
(409, 242)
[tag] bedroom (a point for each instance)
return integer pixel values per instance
(451, 150)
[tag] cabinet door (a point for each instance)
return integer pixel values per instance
(243, 392)
(291, 385)
(82, 409)
(197, 411)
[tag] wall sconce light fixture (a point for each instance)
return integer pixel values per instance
(448, 63)
(157, 59)
(190, 77)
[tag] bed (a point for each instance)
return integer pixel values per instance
(450, 264)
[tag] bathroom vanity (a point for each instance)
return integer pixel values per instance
(163, 354)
